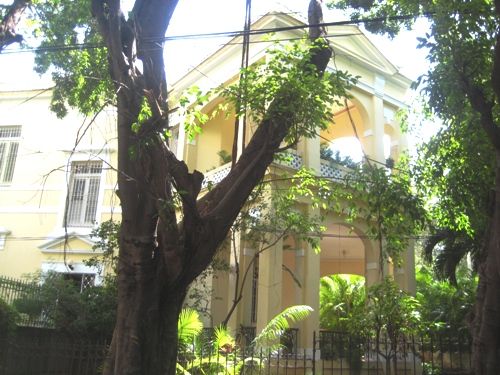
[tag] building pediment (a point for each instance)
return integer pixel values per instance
(349, 41)
(73, 243)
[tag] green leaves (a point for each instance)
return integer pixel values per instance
(286, 74)
(391, 310)
(189, 326)
(271, 333)
(81, 75)
(342, 303)
(192, 104)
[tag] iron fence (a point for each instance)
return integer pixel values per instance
(42, 351)
(26, 297)
(37, 351)
(432, 353)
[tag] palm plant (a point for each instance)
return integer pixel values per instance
(222, 356)
(342, 302)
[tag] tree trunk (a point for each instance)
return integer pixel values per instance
(486, 324)
(159, 256)
(145, 337)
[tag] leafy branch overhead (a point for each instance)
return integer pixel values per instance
(462, 87)
(285, 73)
(386, 201)
(160, 255)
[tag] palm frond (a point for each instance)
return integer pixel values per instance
(189, 325)
(272, 332)
(223, 339)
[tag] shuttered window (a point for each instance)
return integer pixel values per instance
(83, 193)
(9, 144)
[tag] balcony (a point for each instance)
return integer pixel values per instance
(328, 169)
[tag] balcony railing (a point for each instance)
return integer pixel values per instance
(216, 175)
(328, 169)
(333, 170)
(290, 160)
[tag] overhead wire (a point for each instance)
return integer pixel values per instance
(221, 34)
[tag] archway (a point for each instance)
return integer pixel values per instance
(342, 251)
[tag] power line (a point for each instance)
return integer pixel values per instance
(221, 34)
(325, 235)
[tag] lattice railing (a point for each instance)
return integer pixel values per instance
(332, 170)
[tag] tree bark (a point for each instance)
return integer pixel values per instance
(158, 256)
(486, 320)
(486, 323)
(8, 34)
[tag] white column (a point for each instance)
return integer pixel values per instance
(405, 275)
(374, 137)
(310, 287)
(299, 274)
(269, 289)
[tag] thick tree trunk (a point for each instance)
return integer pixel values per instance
(159, 257)
(486, 324)
(145, 337)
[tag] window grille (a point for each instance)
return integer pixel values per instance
(83, 193)
(9, 145)
(81, 281)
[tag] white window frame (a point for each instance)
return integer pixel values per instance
(72, 268)
(10, 136)
(70, 218)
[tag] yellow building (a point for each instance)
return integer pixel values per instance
(55, 172)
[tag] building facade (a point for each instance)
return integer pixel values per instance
(58, 181)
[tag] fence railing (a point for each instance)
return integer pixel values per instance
(26, 297)
(46, 351)
(427, 354)
(37, 351)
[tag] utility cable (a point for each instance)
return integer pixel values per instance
(222, 34)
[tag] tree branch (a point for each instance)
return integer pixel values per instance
(483, 107)
(9, 23)
(220, 206)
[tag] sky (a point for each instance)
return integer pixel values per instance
(201, 16)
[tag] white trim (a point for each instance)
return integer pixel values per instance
(29, 210)
(69, 252)
(61, 239)
(61, 267)
(30, 188)
(387, 98)
(82, 156)
(91, 152)
(22, 210)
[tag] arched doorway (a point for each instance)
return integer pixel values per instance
(342, 251)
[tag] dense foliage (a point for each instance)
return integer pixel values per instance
(63, 303)
(8, 316)
(342, 301)
(462, 87)
(444, 307)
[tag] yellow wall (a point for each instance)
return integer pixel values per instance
(32, 205)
